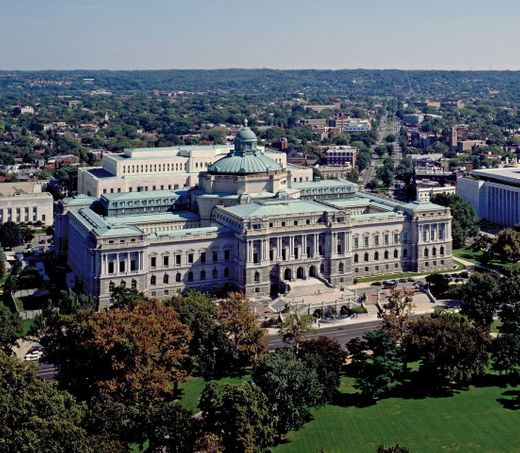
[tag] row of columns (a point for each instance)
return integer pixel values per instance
(262, 247)
(121, 257)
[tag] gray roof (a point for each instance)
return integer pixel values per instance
(279, 208)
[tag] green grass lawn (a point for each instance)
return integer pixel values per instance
(26, 326)
(470, 421)
(466, 253)
(396, 276)
(191, 390)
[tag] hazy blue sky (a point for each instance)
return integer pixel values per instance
(149, 34)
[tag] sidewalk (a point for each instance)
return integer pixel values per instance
(22, 347)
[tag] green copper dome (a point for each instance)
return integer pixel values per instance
(244, 159)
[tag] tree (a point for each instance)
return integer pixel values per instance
(506, 246)
(450, 348)
(35, 415)
(130, 350)
(291, 387)
(294, 328)
(439, 284)
(239, 414)
(397, 313)
(10, 235)
(375, 364)
(241, 326)
(125, 297)
(10, 328)
(211, 352)
(68, 302)
(480, 298)
(465, 223)
(505, 352)
(327, 357)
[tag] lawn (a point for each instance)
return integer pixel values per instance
(466, 253)
(191, 390)
(398, 275)
(470, 421)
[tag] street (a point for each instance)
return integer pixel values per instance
(342, 334)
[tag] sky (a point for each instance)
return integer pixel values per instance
(283, 34)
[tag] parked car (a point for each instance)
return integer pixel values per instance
(410, 279)
(402, 280)
(31, 356)
(376, 283)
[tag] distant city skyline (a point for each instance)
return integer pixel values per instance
(281, 34)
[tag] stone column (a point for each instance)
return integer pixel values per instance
(291, 246)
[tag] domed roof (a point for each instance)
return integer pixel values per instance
(244, 159)
(245, 134)
(244, 164)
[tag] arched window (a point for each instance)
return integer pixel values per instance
(226, 272)
(214, 274)
(178, 277)
(386, 254)
(356, 258)
(434, 251)
(442, 250)
(153, 280)
(376, 256)
(426, 252)
(190, 276)
(257, 277)
(341, 267)
(166, 278)
(134, 283)
(203, 275)
(366, 256)
(111, 286)
(396, 254)
(122, 284)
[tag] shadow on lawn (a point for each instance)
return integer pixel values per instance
(510, 403)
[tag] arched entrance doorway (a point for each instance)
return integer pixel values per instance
(287, 275)
(312, 271)
(300, 273)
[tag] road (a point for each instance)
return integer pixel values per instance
(342, 333)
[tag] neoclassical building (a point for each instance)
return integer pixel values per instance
(247, 223)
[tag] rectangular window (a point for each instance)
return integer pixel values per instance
(356, 243)
(190, 258)
(166, 261)
(226, 255)
(178, 260)
(203, 257)
(215, 257)
(153, 261)
(110, 267)
(122, 266)
(133, 265)
(387, 239)
(366, 241)
(396, 238)
(376, 240)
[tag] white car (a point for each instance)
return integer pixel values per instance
(32, 356)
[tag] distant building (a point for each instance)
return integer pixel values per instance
(465, 146)
(413, 119)
(340, 156)
(494, 193)
(27, 110)
(25, 202)
(284, 143)
(426, 189)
